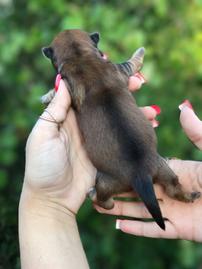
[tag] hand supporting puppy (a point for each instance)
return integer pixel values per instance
(58, 175)
(184, 219)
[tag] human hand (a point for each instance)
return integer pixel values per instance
(58, 175)
(57, 167)
(184, 219)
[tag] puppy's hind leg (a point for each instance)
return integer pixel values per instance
(102, 193)
(167, 178)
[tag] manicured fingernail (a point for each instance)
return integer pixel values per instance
(157, 108)
(141, 77)
(155, 123)
(57, 82)
(118, 221)
(186, 103)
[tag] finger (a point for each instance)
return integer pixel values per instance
(191, 125)
(147, 229)
(123, 207)
(135, 83)
(149, 112)
(131, 194)
(56, 111)
(129, 209)
(155, 123)
(60, 103)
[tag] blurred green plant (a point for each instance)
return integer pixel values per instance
(171, 33)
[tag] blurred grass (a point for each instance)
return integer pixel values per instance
(171, 33)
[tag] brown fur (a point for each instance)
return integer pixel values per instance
(118, 138)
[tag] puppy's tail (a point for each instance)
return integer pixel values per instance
(144, 187)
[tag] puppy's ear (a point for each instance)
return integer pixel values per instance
(95, 37)
(47, 52)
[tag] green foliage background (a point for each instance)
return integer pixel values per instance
(171, 33)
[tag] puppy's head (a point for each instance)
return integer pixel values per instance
(70, 45)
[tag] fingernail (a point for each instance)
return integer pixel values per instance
(141, 77)
(155, 123)
(157, 108)
(57, 81)
(118, 222)
(186, 103)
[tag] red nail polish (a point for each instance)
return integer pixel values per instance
(57, 82)
(186, 103)
(157, 108)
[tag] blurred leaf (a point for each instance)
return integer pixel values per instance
(3, 179)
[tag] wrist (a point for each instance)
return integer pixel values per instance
(36, 203)
(48, 234)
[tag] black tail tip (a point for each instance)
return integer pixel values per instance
(161, 224)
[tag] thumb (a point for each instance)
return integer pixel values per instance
(192, 125)
(60, 104)
(47, 125)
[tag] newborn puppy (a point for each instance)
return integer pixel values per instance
(119, 140)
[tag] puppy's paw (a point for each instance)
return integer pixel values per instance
(47, 98)
(191, 197)
(92, 194)
(195, 195)
(108, 204)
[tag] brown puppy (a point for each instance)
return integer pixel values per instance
(118, 138)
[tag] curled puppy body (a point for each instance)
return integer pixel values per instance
(120, 141)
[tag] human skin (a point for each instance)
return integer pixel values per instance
(58, 174)
(55, 185)
(184, 219)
